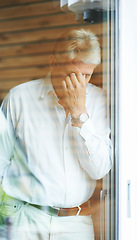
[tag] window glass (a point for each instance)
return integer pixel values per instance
(57, 120)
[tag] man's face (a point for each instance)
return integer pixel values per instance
(62, 68)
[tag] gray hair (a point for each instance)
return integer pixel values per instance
(82, 44)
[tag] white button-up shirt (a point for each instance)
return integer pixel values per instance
(43, 158)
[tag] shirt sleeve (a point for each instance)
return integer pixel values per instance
(6, 137)
(92, 142)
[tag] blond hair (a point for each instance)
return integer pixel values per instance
(82, 44)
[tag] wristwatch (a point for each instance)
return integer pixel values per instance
(83, 117)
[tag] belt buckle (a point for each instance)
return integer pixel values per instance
(79, 210)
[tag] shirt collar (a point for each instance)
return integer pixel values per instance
(47, 89)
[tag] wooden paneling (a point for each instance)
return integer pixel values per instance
(15, 62)
(43, 34)
(19, 62)
(29, 10)
(26, 72)
(3, 95)
(43, 47)
(28, 30)
(27, 49)
(38, 22)
(7, 3)
(29, 36)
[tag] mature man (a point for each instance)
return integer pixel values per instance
(54, 144)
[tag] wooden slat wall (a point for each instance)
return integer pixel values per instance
(28, 30)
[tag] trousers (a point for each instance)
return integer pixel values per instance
(22, 221)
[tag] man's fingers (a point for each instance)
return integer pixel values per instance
(69, 84)
(64, 84)
(74, 79)
(87, 77)
(81, 78)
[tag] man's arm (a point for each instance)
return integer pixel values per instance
(6, 139)
(92, 142)
(74, 88)
(93, 150)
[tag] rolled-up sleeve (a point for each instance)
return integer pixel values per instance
(92, 142)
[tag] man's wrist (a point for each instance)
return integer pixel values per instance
(82, 118)
(76, 112)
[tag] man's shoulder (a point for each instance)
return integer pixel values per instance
(24, 94)
(27, 86)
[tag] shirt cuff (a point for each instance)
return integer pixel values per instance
(87, 129)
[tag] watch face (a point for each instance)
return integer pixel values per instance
(83, 117)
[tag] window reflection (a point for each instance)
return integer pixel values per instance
(55, 149)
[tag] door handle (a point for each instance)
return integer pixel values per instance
(103, 195)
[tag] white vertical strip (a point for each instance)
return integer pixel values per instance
(128, 120)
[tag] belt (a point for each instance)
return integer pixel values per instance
(90, 207)
(83, 210)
